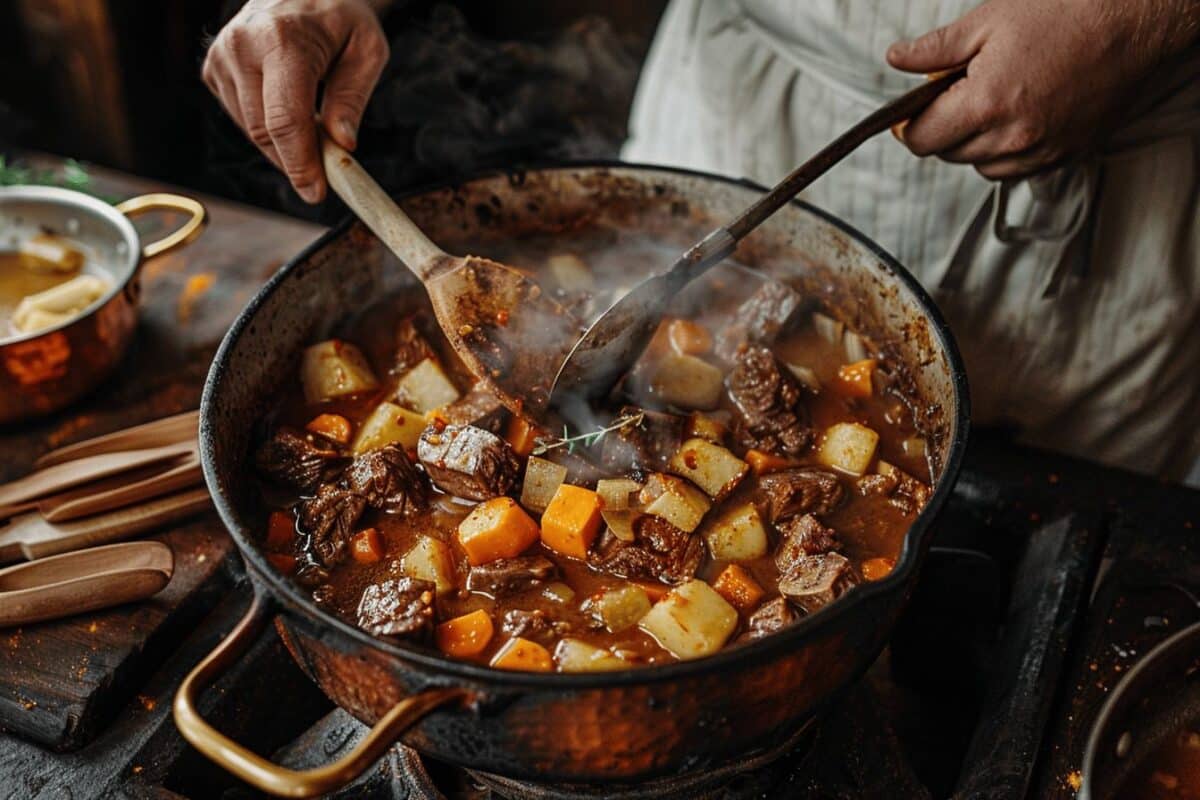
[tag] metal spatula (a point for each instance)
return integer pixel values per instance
(613, 343)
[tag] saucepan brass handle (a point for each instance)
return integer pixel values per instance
(258, 771)
(197, 216)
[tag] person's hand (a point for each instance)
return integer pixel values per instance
(264, 67)
(1046, 79)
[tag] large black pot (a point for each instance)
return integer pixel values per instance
(610, 727)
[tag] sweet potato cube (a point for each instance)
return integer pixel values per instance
(738, 587)
(572, 520)
(523, 655)
(876, 569)
(691, 621)
(849, 447)
(465, 636)
(521, 435)
(496, 528)
(387, 424)
(331, 426)
(710, 466)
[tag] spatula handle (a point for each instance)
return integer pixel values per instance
(371, 203)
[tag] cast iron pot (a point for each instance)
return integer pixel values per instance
(584, 728)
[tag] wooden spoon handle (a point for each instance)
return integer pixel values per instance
(123, 490)
(371, 203)
(167, 430)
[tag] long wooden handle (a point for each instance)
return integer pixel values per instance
(167, 430)
(371, 203)
(123, 490)
(902, 108)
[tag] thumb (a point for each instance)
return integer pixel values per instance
(942, 48)
(349, 84)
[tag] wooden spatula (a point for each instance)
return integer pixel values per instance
(506, 331)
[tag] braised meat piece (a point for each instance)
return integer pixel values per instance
(534, 625)
(398, 607)
(478, 407)
(648, 445)
(468, 462)
(510, 575)
(901, 489)
(815, 581)
(411, 346)
(660, 551)
(803, 536)
(386, 480)
(805, 490)
(300, 459)
(759, 320)
(767, 399)
(770, 618)
(328, 520)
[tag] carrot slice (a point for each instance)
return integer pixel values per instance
(854, 380)
(762, 462)
(496, 528)
(281, 530)
(467, 635)
(333, 426)
(522, 654)
(572, 520)
(875, 569)
(738, 587)
(366, 546)
(689, 338)
(521, 435)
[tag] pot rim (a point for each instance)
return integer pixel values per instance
(904, 570)
(129, 235)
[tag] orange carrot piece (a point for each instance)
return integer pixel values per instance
(496, 528)
(467, 635)
(875, 569)
(521, 435)
(653, 589)
(738, 587)
(366, 546)
(332, 426)
(854, 380)
(524, 655)
(284, 562)
(689, 338)
(281, 530)
(762, 462)
(572, 520)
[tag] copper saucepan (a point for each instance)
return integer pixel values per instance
(46, 370)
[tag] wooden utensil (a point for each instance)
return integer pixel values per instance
(613, 343)
(124, 489)
(84, 580)
(156, 433)
(507, 332)
(31, 536)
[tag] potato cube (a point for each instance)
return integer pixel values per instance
(573, 655)
(686, 382)
(496, 528)
(675, 500)
(849, 447)
(425, 388)
(621, 608)
(542, 479)
(570, 273)
(617, 492)
(737, 535)
(389, 423)
(703, 426)
(621, 523)
(691, 621)
(334, 368)
(710, 466)
(430, 560)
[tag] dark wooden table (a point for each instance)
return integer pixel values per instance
(61, 682)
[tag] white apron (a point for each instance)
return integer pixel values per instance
(1075, 297)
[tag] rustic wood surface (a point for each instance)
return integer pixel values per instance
(60, 682)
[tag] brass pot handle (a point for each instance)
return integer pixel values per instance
(167, 202)
(258, 771)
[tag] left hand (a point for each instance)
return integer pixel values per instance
(1046, 79)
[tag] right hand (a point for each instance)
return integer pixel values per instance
(264, 67)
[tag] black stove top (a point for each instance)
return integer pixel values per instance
(1048, 578)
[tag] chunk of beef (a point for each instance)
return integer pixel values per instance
(805, 490)
(534, 625)
(478, 407)
(770, 618)
(815, 581)
(660, 551)
(299, 459)
(398, 607)
(411, 345)
(510, 575)
(328, 519)
(759, 320)
(767, 399)
(901, 489)
(388, 481)
(468, 462)
(803, 536)
(648, 445)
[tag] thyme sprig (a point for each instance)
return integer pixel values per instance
(586, 440)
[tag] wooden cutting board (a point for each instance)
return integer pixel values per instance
(61, 681)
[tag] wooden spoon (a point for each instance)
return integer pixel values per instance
(85, 580)
(507, 332)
